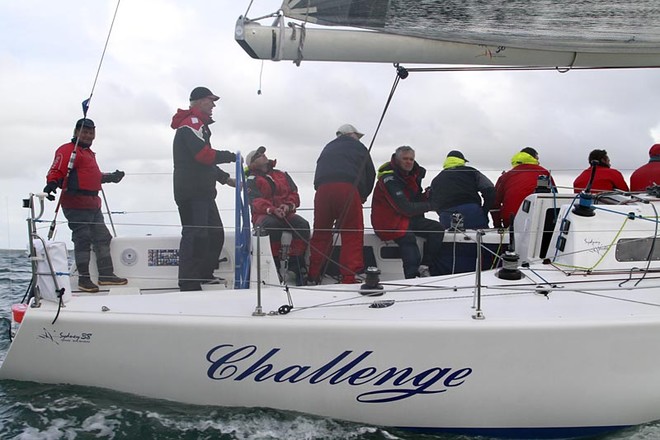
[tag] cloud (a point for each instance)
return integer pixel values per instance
(160, 50)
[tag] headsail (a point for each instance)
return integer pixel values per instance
(579, 33)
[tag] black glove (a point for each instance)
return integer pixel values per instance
(224, 156)
(113, 177)
(50, 189)
(221, 176)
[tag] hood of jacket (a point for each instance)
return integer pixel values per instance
(182, 114)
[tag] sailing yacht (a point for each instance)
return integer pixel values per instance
(556, 340)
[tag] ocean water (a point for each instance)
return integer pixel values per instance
(41, 411)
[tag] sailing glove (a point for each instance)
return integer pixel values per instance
(221, 176)
(114, 177)
(50, 189)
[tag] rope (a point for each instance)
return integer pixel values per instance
(401, 73)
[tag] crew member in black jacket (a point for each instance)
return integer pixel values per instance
(195, 175)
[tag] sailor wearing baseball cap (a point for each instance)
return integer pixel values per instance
(195, 176)
(201, 93)
(81, 180)
(343, 180)
(349, 129)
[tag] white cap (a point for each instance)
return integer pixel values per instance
(348, 128)
(251, 155)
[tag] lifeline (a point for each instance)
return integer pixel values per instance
(243, 363)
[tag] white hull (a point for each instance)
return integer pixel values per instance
(570, 361)
(561, 351)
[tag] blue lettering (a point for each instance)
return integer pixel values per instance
(457, 375)
(228, 371)
(317, 376)
(403, 382)
(297, 371)
(363, 373)
(265, 369)
(336, 377)
(392, 372)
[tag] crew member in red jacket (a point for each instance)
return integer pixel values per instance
(606, 179)
(81, 204)
(513, 186)
(397, 213)
(274, 199)
(648, 174)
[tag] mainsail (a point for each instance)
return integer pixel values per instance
(554, 33)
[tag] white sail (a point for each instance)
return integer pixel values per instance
(540, 33)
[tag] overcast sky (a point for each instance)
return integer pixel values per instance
(160, 49)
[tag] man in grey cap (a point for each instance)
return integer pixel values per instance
(456, 190)
(195, 175)
(343, 180)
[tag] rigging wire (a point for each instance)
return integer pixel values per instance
(652, 248)
(401, 73)
(72, 158)
(85, 107)
(248, 8)
(105, 48)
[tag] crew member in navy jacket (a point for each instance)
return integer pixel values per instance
(459, 189)
(343, 180)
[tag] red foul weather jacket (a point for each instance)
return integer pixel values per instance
(606, 179)
(269, 191)
(398, 197)
(511, 189)
(80, 190)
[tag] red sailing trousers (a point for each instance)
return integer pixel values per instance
(338, 202)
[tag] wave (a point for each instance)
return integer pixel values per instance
(49, 411)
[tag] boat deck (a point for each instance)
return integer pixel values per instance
(543, 294)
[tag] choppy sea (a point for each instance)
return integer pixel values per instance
(41, 411)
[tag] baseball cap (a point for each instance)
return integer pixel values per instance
(348, 128)
(253, 154)
(458, 154)
(202, 92)
(85, 122)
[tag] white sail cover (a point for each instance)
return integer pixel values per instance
(567, 25)
(50, 281)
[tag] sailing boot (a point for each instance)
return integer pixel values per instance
(86, 285)
(298, 267)
(112, 280)
(84, 282)
(107, 275)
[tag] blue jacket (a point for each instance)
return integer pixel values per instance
(346, 159)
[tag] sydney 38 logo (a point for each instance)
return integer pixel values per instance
(376, 384)
(82, 338)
